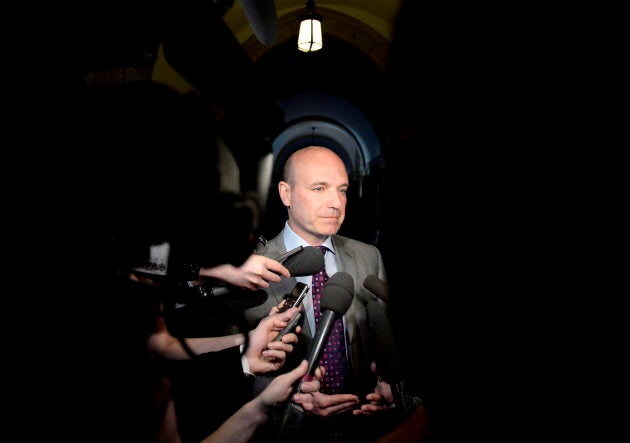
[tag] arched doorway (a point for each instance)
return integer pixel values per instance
(331, 121)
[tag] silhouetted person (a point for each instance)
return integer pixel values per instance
(465, 99)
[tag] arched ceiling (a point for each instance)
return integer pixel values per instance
(357, 35)
(351, 66)
(377, 14)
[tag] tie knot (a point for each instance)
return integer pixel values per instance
(323, 248)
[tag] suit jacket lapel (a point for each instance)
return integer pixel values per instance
(347, 263)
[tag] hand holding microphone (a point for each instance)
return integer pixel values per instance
(255, 273)
(335, 300)
(298, 262)
(302, 261)
(258, 270)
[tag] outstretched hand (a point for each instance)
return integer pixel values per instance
(318, 403)
(256, 272)
(379, 400)
(282, 386)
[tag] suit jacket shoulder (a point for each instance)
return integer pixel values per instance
(358, 258)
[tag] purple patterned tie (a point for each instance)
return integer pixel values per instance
(334, 356)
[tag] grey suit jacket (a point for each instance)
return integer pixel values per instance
(359, 260)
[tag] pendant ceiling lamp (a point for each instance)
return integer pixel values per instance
(310, 36)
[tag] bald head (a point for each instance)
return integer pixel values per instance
(314, 191)
(308, 156)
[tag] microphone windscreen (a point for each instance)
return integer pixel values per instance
(377, 287)
(308, 261)
(337, 294)
(385, 347)
(283, 257)
(262, 17)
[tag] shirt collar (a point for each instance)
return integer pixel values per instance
(292, 240)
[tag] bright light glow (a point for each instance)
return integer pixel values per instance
(310, 37)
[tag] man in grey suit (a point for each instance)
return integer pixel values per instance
(314, 191)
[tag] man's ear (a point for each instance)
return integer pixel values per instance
(284, 189)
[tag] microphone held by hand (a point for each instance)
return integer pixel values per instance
(335, 300)
(299, 261)
(385, 347)
(377, 287)
(306, 261)
(283, 257)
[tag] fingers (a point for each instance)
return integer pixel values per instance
(299, 371)
(370, 409)
(305, 400)
(280, 319)
(282, 303)
(276, 268)
(337, 399)
(320, 372)
(289, 338)
(275, 355)
(288, 314)
(342, 407)
(308, 387)
(279, 346)
(271, 270)
(259, 271)
(325, 405)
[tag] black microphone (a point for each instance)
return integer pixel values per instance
(377, 287)
(335, 300)
(387, 357)
(307, 261)
(300, 261)
(384, 342)
(282, 257)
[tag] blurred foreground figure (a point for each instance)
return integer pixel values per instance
(116, 348)
(466, 99)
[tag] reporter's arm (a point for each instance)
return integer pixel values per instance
(262, 355)
(256, 272)
(242, 425)
(163, 344)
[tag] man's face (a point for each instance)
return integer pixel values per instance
(317, 199)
